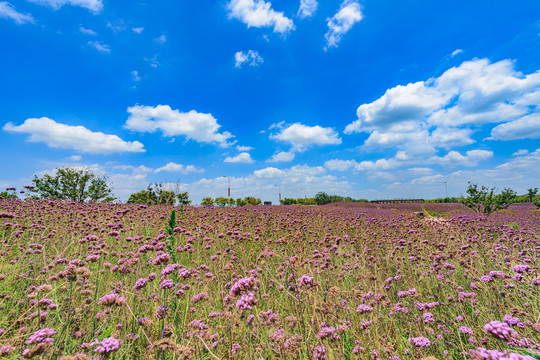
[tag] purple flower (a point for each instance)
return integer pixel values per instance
(319, 353)
(500, 330)
(108, 345)
(42, 336)
(420, 342)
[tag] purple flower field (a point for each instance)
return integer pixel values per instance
(108, 281)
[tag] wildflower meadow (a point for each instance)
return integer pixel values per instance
(363, 281)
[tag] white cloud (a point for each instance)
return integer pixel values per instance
(521, 152)
(339, 165)
(161, 40)
(75, 158)
(307, 8)
(100, 46)
(79, 138)
(283, 156)
(420, 118)
(252, 58)
(93, 5)
(135, 76)
(527, 127)
(471, 158)
(301, 136)
(194, 125)
(184, 169)
(87, 31)
(244, 148)
(137, 30)
(350, 12)
(243, 158)
(8, 11)
(456, 52)
(259, 13)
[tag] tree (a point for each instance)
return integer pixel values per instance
(9, 194)
(485, 200)
(288, 201)
(73, 184)
(183, 198)
(221, 201)
(531, 193)
(207, 201)
(147, 196)
(322, 198)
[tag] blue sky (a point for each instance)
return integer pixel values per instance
(371, 99)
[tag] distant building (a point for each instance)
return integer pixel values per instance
(267, 203)
(398, 201)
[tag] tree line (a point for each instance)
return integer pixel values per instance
(84, 185)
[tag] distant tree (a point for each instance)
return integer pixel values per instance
(322, 198)
(253, 201)
(183, 198)
(72, 184)
(288, 201)
(207, 201)
(310, 201)
(147, 196)
(8, 194)
(483, 199)
(221, 201)
(232, 202)
(531, 194)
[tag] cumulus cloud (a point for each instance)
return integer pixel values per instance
(100, 46)
(193, 125)
(252, 58)
(243, 158)
(174, 167)
(78, 138)
(307, 8)
(339, 165)
(527, 127)
(422, 117)
(301, 136)
(259, 13)
(93, 5)
(282, 156)
(135, 76)
(137, 30)
(350, 12)
(471, 158)
(8, 11)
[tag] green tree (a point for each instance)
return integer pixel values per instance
(221, 201)
(183, 198)
(241, 202)
(147, 196)
(73, 184)
(531, 194)
(288, 201)
(9, 193)
(207, 201)
(253, 201)
(322, 198)
(483, 199)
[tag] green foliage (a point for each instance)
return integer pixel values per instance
(156, 194)
(8, 195)
(171, 224)
(322, 198)
(207, 201)
(531, 194)
(183, 198)
(221, 201)
(483, 199)
(248, 201)
(73, 184)
(288, 201)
